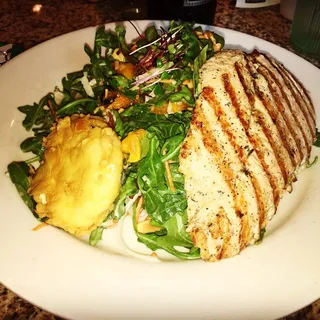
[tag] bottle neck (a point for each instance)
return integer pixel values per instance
(195, 3)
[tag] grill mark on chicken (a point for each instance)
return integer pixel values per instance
(254, 142)
(278, 145)
(218, 228)
(208, 94)
(245, 231)
(185, 148)
(292, 102)
(301, 94)
(221, 226)
(279, 122)
(245, 234)
(303, 99)
(310, 123)
(226, 243)
(275, 145)
(199, 227)
(278, 95)
(258, 147)
(307, 124)
(212, 145)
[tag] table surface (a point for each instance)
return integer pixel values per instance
(20, 25)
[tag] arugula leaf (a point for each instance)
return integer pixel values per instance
(159, 100)
(96, 236)
(262, 233)
(120, 81)
(140, 117)
(85, 105)
(219, 39)
(107, 39)
(74, 75)
(183, 95)
(190, 40)
(151, 34)
(129, 188)
(101, 66)
(182, 74)
(171, 125)
(121, 31)
(171, 147)
(160, 202)
(33, 113)
(118, 123)
(175, 236)
(177, 176)
(33, 144)
(198, 63)
(317, 142)
(19, 175)
(151, 169)
(312, 163)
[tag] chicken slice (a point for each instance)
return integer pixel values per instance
(250, 133)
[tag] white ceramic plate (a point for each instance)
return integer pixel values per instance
(68, 277)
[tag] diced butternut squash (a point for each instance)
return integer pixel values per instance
(132, 145)
(146, 227)
(121, 101)
(160, 110)
(170, 107)
(124, 68)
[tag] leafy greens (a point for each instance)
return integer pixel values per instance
(157, 78)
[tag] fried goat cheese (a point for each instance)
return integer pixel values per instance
(80, 175)
(252, 130)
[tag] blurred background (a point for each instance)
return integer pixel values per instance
(29, 22)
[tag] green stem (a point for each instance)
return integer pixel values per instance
(310, 164)
(72, 104)
(34, 159)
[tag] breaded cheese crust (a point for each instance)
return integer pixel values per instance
(80, 176)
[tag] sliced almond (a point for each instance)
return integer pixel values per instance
(146, 227)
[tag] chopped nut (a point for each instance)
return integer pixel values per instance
(117, 55)
(146, 227)
(188, 83)
(217, 47)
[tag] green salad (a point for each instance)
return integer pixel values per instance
(145, 90)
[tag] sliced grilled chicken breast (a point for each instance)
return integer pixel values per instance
(252, 129)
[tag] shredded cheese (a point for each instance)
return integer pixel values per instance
(40, 226)
(170, 180)
(86, 86)
(138, 210)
